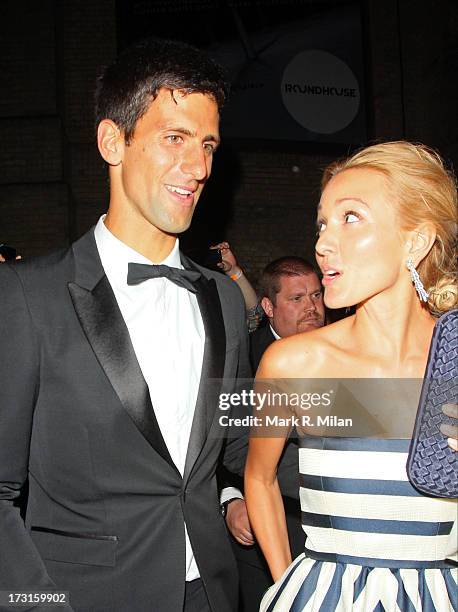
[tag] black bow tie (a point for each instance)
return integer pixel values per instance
(137, 273)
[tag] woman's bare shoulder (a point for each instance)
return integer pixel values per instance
(311, 352)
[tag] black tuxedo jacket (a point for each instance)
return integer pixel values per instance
(106, 508)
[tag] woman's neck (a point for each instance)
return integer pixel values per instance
(399, 331)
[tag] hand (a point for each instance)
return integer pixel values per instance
(229, 262)
(2, 259)
(238, 523)
(451, 431)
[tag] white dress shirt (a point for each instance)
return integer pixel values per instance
(167, 333)
(274, 333)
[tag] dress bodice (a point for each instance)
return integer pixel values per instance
(358, 506)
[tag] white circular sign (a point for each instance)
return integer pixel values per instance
(320, 91)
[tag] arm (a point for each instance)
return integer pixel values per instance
(21, 566)
(249, 294)
(264, 502)
(236, 443)
(254, 317)
(262, 490)
(230, 267)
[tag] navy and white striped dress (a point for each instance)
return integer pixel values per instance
(374, 543)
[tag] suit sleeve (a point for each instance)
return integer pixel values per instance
(236, 449)
(21, 566)
(236, 444)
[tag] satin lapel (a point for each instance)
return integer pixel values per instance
(212, 367)
(108, 336)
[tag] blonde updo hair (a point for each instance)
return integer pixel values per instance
(424, 191)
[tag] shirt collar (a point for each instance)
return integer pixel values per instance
(274, 333)
(116, 255)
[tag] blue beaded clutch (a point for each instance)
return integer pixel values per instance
(432, 466)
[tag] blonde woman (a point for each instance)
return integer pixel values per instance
(373, 541)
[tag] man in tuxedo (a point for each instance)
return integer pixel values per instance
(292, 299)
(104, 401)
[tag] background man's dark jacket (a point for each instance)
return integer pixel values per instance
(259, 341)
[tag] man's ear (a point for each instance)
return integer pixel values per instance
(420, 241)
(268, 307)
(110, 141)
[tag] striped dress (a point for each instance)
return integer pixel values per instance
(374, 543)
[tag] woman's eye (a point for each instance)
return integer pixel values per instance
(209, 148)
(351, 217)
(320, 226)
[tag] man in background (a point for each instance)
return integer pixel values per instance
(292, 299)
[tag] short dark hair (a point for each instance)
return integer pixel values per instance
(270, 283)
(127, 87)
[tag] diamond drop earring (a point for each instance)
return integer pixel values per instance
(422, 293)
